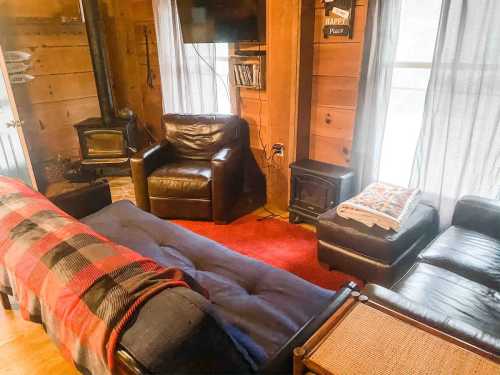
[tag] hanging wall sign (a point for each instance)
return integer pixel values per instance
(339, 18)
(17, 56)
(19, 79)
(15, 68)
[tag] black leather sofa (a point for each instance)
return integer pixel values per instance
(455, 284)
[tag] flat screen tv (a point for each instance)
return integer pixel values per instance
(222, 21)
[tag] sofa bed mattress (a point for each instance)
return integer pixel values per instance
(268, 304)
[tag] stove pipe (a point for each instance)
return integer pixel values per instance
(98, 51)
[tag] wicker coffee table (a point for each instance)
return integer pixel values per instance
(364, 338)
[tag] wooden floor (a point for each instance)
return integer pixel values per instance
(25, 349)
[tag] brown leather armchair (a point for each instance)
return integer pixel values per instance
(196, 172)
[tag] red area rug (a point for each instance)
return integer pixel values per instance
(274, 242)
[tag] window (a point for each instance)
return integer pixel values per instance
(195, 77)
(222, 70)
(417, 39)
(207, 77)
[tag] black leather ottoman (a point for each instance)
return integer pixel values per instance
(374, 254)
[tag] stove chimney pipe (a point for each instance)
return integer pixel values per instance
(98, 51)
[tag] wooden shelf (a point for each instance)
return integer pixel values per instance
(249, 66)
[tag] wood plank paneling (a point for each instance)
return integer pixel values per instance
(54, 88)
(142, 10)
(128, 62)
(337, 70)
(253, 94)
(337, 59)
(60, 60)
(63, 91)
(52, 116)
(255, 112)
(335, 91)
(331, 150)
(50, 35)
(40, 9)
(332, 122)
(282, 61)
(259, 137)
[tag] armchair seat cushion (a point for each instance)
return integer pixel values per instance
(186, 179)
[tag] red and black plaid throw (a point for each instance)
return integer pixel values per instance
(82, 287)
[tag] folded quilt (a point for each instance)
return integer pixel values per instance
(82, 287)
(381, 204)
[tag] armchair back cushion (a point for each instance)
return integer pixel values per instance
(198, 137)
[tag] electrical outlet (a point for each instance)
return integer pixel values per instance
(279, 149)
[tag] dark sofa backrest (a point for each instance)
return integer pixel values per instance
(200, 137)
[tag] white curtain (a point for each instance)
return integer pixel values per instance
(459, 147)
(381, 43)
(194, 78)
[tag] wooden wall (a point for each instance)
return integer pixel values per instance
(336, 70)
(271, 113)
(336, 74)
(63, 91)
(127, 46)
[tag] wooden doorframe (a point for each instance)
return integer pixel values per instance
(15, 113)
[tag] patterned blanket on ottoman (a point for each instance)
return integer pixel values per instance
(385, 205)
(82, 287)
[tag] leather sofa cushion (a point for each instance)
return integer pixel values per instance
(452, 295)
(470, 254)
(375, 242)
(189, 179)
(487, 340)
(200, 137)
(268, 304)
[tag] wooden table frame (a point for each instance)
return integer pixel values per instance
(301, 364)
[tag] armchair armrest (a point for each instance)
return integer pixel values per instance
(478, 214)
(227, 183)
(85, 201)
(485, 341)
(142, 164)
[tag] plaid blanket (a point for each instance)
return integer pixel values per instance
(82, 287)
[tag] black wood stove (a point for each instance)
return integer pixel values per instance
(106, 143)
(108, 146)
(317, 187)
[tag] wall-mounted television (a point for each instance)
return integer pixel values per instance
(222, 21)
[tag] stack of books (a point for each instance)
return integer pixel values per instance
(247, 75)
